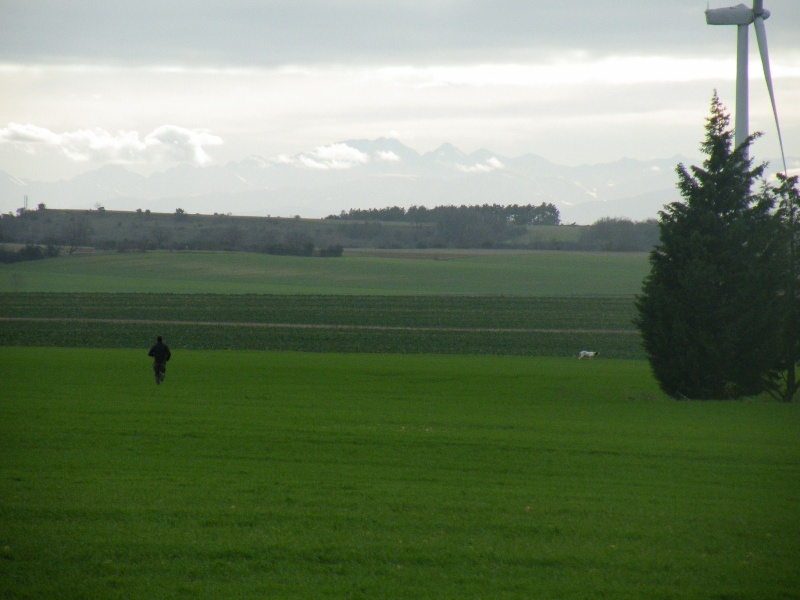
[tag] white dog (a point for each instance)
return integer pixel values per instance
(587, 354)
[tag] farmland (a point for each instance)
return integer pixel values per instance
(388, 324)
(408, 302)
(381, 425)
(409, 273)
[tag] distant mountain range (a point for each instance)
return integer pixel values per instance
(367, 174)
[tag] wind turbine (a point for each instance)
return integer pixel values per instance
(742, 16)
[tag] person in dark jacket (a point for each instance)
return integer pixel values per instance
(161, 354)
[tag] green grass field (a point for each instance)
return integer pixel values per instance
(302, 475)
(488, 273)
(420, 434)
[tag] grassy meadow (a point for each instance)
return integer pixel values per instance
(382, 425)
(429, 273)
(298, 475)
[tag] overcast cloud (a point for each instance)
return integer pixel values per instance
(151, 84)
(272, 33)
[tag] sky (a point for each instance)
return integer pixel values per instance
(152, 84)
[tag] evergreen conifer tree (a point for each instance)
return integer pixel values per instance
(707, 310)
(783, 379)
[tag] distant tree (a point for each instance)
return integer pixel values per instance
(180, 214)
(544, 214)
(707, 309)
(231, 237)
(41, 207)
(620, 235)
(77, 232)
(335, 250)
(469, 228)
(28, 252)
(417, 214)
(160, 237)
(31, 252)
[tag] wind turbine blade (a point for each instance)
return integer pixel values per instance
(761, 36)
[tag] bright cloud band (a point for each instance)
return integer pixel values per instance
(165, 143)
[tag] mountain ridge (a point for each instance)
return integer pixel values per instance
(362, 173)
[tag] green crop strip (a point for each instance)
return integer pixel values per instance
(483, 274)
(389, 324)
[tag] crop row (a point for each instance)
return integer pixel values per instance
(433, 325)
(573, 312)
(304, 339)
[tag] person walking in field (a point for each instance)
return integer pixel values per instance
(161, 354)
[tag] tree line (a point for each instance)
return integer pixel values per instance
(28, 252)
(487, 226)
(527, 214)
(719, 312)
(474, 226)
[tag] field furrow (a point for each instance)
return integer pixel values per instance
(309, 325)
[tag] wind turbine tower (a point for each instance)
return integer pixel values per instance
(743, 16)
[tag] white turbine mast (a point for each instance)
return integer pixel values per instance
(743, 16)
